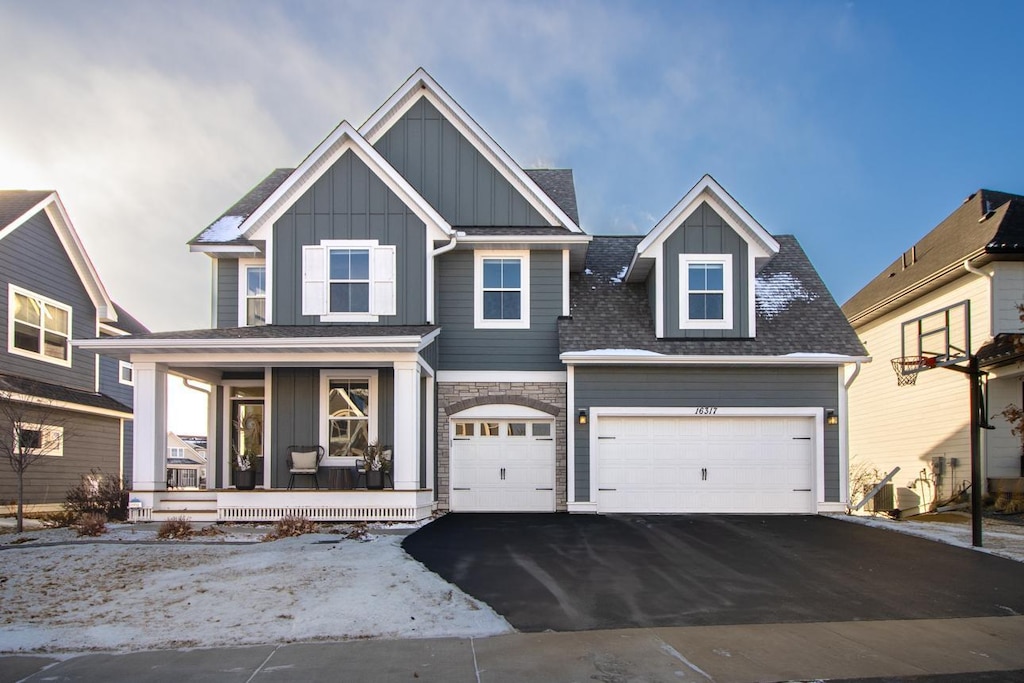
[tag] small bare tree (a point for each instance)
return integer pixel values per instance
(29, 431)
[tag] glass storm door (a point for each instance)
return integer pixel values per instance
(247, 429)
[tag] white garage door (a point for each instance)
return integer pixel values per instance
(502, 466)
(706, 464)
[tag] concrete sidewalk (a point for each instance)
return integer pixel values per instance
(723, 654)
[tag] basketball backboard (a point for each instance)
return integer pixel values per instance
(943, 337)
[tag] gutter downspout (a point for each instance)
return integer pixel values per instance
(844, 435)
(974, 271)
(430, 271)
(451, 245)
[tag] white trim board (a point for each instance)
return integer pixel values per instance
(452, 376)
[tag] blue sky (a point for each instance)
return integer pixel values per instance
(855, 126)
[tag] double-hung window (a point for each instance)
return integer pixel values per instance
(254, 294)
(348, 280)
(39, 327)
(502, 290)
(705, 299)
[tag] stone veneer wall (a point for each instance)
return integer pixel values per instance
(550, 395)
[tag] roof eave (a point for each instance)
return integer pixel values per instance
(789, 360)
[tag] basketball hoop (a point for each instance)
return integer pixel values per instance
(908, 367)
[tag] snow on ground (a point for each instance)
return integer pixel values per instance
(60, 593)
(998, 538)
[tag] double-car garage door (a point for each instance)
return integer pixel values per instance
(740, 464)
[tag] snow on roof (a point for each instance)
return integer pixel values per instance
(224, 229)
(776, 292)
(617, 352)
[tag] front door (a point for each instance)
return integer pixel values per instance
(247, 431)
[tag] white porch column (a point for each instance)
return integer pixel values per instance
(150, 458)
(407, 425)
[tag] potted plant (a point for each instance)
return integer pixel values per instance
(245, 470)
(377, 462)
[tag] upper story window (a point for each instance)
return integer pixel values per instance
(502, 290)
(40, 328)
(705, 299)
(176, 452)
(349, 280)
(125, 373)
(252, 292)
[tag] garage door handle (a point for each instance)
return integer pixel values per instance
(807, 490)
(607, 489)
(606, 437)
(458, 488)
(801, 438)
(547, 489)
(546, 439)
(459, 438)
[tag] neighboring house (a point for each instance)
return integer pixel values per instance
(972, 264)
(186, 465)
(51, 294)
(410, 284)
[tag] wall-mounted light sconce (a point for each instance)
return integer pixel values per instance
(831, 418)
(582, 419)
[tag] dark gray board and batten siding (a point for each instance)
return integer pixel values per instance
(225, 280)
(448, 171)
(33, 258)
(660, 387)
(349, 202)
(462, 347)
(705, 232)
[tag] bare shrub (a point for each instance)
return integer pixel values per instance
(176, 528)
(60, 518)
(291, 525)
(210, 530)
(1014, 506)
(358, 532)
(98, 492)
(91, 524)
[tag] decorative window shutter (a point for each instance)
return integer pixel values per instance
(384, 294)
(314, 280)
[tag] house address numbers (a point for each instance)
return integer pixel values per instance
(706, 410)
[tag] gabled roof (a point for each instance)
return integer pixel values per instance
(707, 190)
(18, 206)
(265, 203)
(421, 84)
(797, 319)
(986, 225)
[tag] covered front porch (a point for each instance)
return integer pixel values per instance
(277, 390)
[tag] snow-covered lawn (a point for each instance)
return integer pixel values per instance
(129, 592)
(998, 538)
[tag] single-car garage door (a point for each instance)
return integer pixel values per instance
(706, 464)
(502, 466)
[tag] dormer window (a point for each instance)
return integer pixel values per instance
(705, 301)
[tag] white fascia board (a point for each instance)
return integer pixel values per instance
(707, 188)
(404, 343)
(111, 329)
(69, 406)
(225, 249)
(428, 339)
(58, 217)
(558, 376)
(342, 139)
(794, 360)
(526, 239)
(195, 362)
(422, 84)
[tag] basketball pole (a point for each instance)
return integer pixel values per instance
(974, 373)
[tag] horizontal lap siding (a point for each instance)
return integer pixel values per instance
(226, 283)
(349, 202)
(90, 442)
(661, 387)
(110, 383)
(33, 258)
(462, 347)
(448, 171)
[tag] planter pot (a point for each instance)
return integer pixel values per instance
(245, 480)
(374, 479)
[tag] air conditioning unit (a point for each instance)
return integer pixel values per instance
(884, 500)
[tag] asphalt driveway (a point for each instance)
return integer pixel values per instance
(579, 572)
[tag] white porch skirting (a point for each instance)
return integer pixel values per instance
(269, 506)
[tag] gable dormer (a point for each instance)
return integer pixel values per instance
(699, 263)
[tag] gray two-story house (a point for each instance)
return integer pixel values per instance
(74, 406)
(409, 284)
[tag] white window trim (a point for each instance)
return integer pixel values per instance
(50, 434)
(122, 365)
(371, 428)
(478, 291)
(685, 261)
(243, 288)
(11, 348)
(383, 285)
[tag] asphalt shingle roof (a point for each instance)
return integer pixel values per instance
(795, 311)
(964, 233)
(558, 184)
(128, 323)
(14, 203)
(242, 209)
(55, 392)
